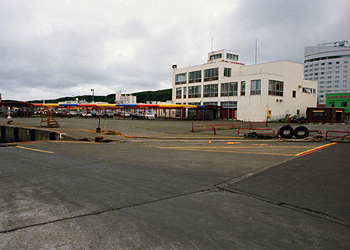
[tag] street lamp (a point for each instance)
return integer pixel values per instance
(93, 92)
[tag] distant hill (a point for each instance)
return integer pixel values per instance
(142, 97)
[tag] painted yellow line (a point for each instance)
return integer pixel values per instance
(236, 147)
(38, 150)
(223, 151)
(315, 149)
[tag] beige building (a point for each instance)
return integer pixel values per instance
(248, 93)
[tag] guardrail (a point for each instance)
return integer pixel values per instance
(242, 124)
(251, 124)
(347, 134)
(226, 125)
(202, 127)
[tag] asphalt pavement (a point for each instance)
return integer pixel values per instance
(157, 185)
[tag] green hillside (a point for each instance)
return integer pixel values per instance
(142, 97)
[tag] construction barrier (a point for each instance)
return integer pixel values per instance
(346, 134)
(253, 123)
(259, 129)
(202, 127)
(222, 126)
(242, 124)
(250, 124)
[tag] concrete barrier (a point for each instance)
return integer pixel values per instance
(18, 134)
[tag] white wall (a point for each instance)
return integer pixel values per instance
(254, 108)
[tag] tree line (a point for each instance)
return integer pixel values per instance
(142, 97)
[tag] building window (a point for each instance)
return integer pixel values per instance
(229, 104)
(307, 90)
(195, 76)
(343, 104)
(227, 72)
(178, 93)
(210, 90)
(194, 92)
(275, 88)
(211, 74)
(211, 103)
(242, 87)
(232, 56)
(294, 94)
(216, 56)
(255, 87)
(229, 89)
(181, 78)
(185, 93)
(331, 104)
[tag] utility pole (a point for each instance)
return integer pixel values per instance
(93, 93)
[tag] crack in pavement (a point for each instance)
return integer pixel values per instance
(303, 210)
(107, 210)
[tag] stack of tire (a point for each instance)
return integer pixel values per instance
(288, 132)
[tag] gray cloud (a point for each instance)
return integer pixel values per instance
(50, 49)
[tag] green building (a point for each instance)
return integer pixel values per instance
(339, 101)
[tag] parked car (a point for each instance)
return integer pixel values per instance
(298, 119)
(121, 113)
(150, 116)
(86, 114)
(61, 113)
(107, 113)
(73, 113)
(94, 113)
(138, 115)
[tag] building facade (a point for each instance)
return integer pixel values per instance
(339, 101)
(329, 65)
(250, 93)
(125, 98)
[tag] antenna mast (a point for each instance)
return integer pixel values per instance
(256, 51)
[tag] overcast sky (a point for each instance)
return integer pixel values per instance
(56, 48)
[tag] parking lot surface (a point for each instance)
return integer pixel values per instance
(161, 186)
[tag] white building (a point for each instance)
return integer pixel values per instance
(328, 64)
(248, 93)
(124, 98)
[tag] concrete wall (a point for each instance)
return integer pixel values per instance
(18, 134)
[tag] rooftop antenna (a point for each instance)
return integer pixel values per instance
(256, 51)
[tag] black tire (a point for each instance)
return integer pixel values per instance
(301, 129)
(286, 128)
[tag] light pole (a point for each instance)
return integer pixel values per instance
(93, 92)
